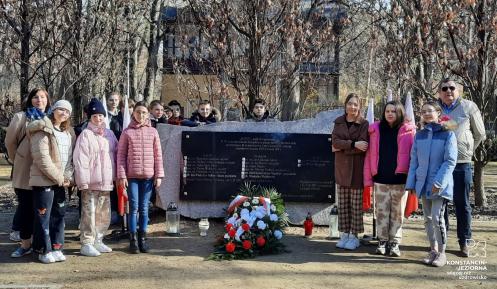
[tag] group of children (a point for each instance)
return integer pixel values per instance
(171, 114)
(48, 158)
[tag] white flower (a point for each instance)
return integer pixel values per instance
(259, 215)
(261, 209)
(232, 220)
(261, 225)
(235, 215)
(273, 208)
(255, 201)
(246, 204)
(244, 212)
(273, 217)
(226, 236)
(278, 234)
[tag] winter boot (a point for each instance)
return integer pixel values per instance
(142, 243)
(133, 244)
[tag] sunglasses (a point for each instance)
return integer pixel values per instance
(445, 88)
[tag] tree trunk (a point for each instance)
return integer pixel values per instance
(336, 60)
(25, 41)
(290, 89)
(77, 87)
(153, 51)
(479, 185)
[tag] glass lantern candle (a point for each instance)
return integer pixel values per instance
(172, 219)
(334, 223)
(203, 226)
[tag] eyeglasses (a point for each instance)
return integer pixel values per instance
(445, 88)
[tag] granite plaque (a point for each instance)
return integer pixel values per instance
(216, 164)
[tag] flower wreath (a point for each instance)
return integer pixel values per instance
(255, 225)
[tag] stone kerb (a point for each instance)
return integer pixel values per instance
(171, 149)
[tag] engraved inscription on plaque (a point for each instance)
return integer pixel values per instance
(216, 164)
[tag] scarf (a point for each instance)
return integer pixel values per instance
(34, 113)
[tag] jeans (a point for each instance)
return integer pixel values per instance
(49, 211)
(26, 213)
(139, 191)
(463, 179)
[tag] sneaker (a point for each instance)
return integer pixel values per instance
(428, 260)
(343, 239)
(15, 236)
(440, 260)
(464, 251)
(352, 243)
(19, 252)
(89, 250)
(394, 249)
(102, 248)
(58, 256)
(47, 258)
(382, 248)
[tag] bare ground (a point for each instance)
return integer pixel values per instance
(179, 262)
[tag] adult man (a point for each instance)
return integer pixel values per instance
(470, 133)
(259, 112)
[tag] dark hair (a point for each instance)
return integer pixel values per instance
(350, 96)
(174, 102)
(167, 108)
(204, 102)
(63, 126)
(155, 103)
(399, 111)
(435, 104)
(27, 102)
(131, 103)
(140, 103)
(260, 101)
(444, 81)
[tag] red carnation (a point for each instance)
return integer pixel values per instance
(246, 244)
(246, 227)
(261, 241)
(230, 247)
(232, 233)
(229, 227)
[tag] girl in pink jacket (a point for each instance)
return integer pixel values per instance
(386, 166)
(139, 168)
(94, 162)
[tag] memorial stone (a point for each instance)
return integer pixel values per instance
(171, 139)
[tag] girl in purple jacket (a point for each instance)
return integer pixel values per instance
(386, 166)
(139, 168)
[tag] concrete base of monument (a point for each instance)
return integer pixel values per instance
(173, 160)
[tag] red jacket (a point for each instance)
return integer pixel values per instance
(405, 139)
(139, 155)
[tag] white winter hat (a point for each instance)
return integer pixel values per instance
(62, 104)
